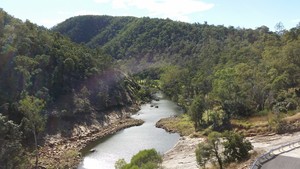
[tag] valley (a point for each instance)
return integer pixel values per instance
(91, 76)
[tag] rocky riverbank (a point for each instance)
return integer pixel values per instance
(63, 152)
(182, 155)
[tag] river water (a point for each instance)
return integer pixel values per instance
(126, 143)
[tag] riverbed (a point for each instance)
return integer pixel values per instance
(126, 143)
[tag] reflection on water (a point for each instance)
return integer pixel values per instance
(126, 143)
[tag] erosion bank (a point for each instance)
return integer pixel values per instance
(60, 151)
(182, 155)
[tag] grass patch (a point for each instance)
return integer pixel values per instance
(259, 124)
(256, 125)
(181, 124)
(293, 118)
(264, 123)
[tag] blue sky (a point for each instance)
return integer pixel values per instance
(237, 13)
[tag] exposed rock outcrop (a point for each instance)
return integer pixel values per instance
(62, 149)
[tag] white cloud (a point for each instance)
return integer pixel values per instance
(174, 9)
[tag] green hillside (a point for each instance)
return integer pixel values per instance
(45, 77)
(74, 74)
(205, 68)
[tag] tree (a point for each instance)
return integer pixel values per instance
(223, 148)
(210, 150)
(172, 81)
(215, 118)
(203, 153)
(26, 67)
(196, 110)
(236, 148)
(225, 86)
(279, 27)
(32, 107)
(11, 150)
(214, 141)
(81, 101)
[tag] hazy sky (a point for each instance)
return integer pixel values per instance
(242, 13)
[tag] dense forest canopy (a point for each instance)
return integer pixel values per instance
(36, 61)
(222, 70)
(44, 75)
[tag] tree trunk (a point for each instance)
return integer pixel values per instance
(219, 161)
(217, 156)
(36, 149)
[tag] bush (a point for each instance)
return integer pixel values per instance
(145, 159)
(120, 163)
(236, 147)
(231, 148)
(203, 153)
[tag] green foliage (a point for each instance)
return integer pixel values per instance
(233, 72)
(145, 159)
(224, 85)
(146, 156)
(145, 94)
(196, 111)
(33, 120)
(32, 108)
(216, 118)
(203, 153)
(12, 153)
(236, 147)
(241, 70)
(81, 101)
(171, 81)
(185, 125)
(214, 142)
(223, 148)
(120, 163)
(277, 124)
(44, 64)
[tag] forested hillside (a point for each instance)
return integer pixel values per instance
(216, 73)
(223, 71)
(44, 75)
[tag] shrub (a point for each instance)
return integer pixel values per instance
(146, 156)
(145, 159)
(231, 148)
(236, 147)
(203, 154)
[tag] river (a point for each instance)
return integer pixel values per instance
(126, 143)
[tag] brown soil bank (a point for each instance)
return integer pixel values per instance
(61, 151)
